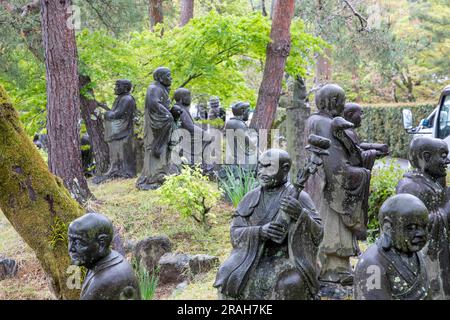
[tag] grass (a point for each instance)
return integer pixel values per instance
(137, 215)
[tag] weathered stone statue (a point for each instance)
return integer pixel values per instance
(340, 189)
(369, 152)
(158, 127)
(272, 258)
(392, 268)
(429, 159)
(241, 145)
(110, 276)
(216, 111)
(197, 136)
(119, 131)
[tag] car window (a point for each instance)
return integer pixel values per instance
(444, 119)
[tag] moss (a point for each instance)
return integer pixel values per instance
(58, 233)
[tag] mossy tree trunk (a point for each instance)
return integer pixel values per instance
(35, 201)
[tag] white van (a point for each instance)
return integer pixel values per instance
(437, 124)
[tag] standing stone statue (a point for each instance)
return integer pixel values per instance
(369, 152)
(265, 263)
(158, 127)
(392, 268)
(110, 276)
(429, 159)
(197, 136)
(216, 112)
(340, 189)
(241, 146)
(119, 131)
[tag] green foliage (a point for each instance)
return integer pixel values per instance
(58, 233)
(190, 194)
(383, 124)
(148, 281)
(382, 186)
(218, 123)
(237, 183)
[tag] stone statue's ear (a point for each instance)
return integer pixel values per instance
(386, 237)
(426, 156)
(286, 167)
(103, 241)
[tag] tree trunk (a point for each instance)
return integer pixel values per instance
(296, 116)
(63, 98)
(323, 68)
(263, 8)
(94, 126)
(276, 55)
(187, 11)
(34, 201)
(155, 12)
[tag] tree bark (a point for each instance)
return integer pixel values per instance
(34, 201)
(63, 98)
(155, 12)
(323, 62)
(263, 8)
(94, 126)
(187, 11)
(276, 55)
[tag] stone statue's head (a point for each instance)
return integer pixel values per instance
(214, 102)
(90, 237)
(183, 96)
(403, 219)
(176, 112)
(331, 99)
(163, 76)
(122, 86)
(273, 168)
(429, 155)
(353, 113)
(241, 110)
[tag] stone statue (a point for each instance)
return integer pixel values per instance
(369, 152)
(392, 268)
(119, 131)
(429, 159)
(340, 190)
(272, 257)
(216, 111)
(198, 137)
(110, 276)
(202, 114)
(158, 127)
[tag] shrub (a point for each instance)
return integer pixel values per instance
(383, 124)
(148, 281)
(191, 194)
(382, 186)
(236, 183)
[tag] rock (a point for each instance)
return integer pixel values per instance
(183, 285)
(201, 263)
(8, 268)
(173, 268)
(129, 246)
(148, 252)
(117, 242)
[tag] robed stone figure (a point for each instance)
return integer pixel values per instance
(264, 262)
(158, 128)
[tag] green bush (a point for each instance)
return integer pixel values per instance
(148, 281)
(237, 182)
(383, 124)
(382, 186)
(191, 194)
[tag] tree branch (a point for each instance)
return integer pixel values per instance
(362, 20)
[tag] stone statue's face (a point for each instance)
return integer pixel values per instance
(166, 79)
(246, 113)
(354, 116)
(436, 160)
(83, 250)
(409, 232)
(120, 88)
(270, 173)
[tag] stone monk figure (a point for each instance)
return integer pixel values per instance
(429, 160)
(158, 127)
(392, 268)
(339, 189)
(259, 267)
(110, 276)
(119, 134)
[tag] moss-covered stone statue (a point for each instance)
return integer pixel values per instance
(340, 189)
(429, 159)
(392, 268)
(272, 257)
(159, 125)
(119, 131)
(110, 276)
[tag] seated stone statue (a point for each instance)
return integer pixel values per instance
(429, 159)
(392, 268)
(264, 262)
(216, 112)
(110, 276)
